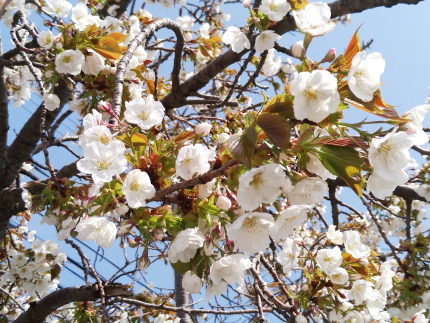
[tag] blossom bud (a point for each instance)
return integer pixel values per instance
(256, 20)
(223, 137)
(364, 261)
(58, 45)
(246, 3)
(330, 56)
(191, 282)
(208, 247)
(133, 243)
(298, 49)
(188, 36)
(143, 262)
(106, 106)
(223, 203)
(203, 129)
(157, 234)
(229, 246)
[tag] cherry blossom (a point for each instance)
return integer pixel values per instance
(145, 112)
(314, 19)
(315, 95)
(275, 10)
(99, 229)
(192, 159)
(137, 188)
(237, 39)
(288, 219)
(184, 247)
(266, 40)
(329, 259)
(69, 62)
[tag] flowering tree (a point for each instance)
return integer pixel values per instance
(178, 164)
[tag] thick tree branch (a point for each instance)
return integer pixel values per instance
(24, 144)
(4, 121)
(38, 311)
(177, 99)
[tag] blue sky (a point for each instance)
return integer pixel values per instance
(400, 34)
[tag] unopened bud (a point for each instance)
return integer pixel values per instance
(188, 36)
(247, 3)
(203, 129)
(223, 203)
(330, 56)
(107, 107)
(229, 246)
(143, 262)
(298, 49)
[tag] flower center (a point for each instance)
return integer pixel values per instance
(249, 223)
(134, 186)
(311, 94)
(256, 180)
(67, 59)
(103, 165)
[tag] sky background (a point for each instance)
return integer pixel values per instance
(400, 34)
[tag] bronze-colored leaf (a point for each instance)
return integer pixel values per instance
(276, 127)
(243, 146)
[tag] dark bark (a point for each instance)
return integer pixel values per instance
(38, 311)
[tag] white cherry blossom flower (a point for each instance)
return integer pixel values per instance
(99, 229)
(69, 62)
(316, 167)
(272, 64)
(314, 19)
(51, 100)
(290, 218)
(58, 8)
(288, 257)
(103, 161)
(260, 185)
(329, 259)
(309, 190)
(191, 282)
(298, 49)
(334, 236)
(205, 30)
(46, 39)
(315, 95)
(236, 39)
(364, 74)
(354, 246)
(146, 113)
(192, 159)
(184, 247)
(275, 10)
(266, 40)
(92, 119)
(229, 269)
(360, 291)
(205, 190)
(353, 316)
(381, 187)
(389, 155)
(250, 231)
(99, 134)
(339, 276)
(414, 128)
(185, 22)
(137, 188)
(94, 63)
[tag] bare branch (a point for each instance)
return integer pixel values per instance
(38, 311)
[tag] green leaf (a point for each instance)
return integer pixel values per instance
(282, 104)
(180, 267)
(344, 162)
(242, 147)
(277, 128)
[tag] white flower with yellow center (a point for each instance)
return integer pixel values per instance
(69, 62)
(99, 229)
(137, 188)
(329, 259)
(229, 269)
(290, 218)
(99, 134)
(46, 39)
(103, 161)
(260, 185)
(275, 10)
(237, 39)
(315, 95)
(354, 246)
(364, 74)
(58, 8)
(314, 19)
(192, 159)
(184, 247)
(266, 40)
(288, 257)
(146, 113)
(250, 232)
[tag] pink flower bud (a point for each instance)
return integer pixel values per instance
(330, 56)
(107, 107)
(298, 49)
(223, 202)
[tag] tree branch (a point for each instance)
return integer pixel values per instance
(38, 311)
(125, 59)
